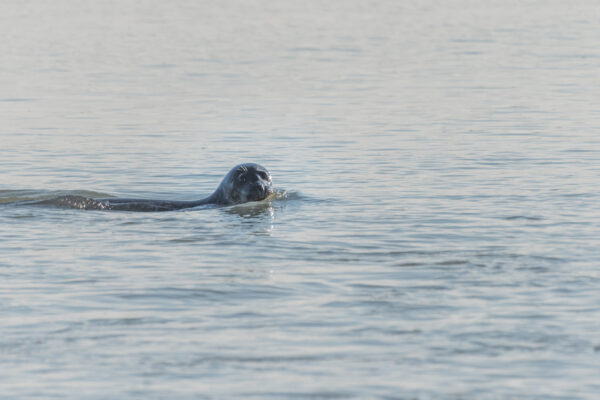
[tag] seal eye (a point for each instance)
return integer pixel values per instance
(263, 175)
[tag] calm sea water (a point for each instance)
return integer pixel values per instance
(439, 234)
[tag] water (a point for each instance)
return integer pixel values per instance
(439, 234)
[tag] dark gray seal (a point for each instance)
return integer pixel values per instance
(244, 183)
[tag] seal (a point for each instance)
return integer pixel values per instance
(244, 183)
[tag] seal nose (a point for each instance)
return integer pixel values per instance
(263, 188)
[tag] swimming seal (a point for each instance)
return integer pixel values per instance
(244, 183)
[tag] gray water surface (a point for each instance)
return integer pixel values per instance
(439, 233)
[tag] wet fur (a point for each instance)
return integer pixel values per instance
(243, 183)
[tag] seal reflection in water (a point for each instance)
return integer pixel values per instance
(244, 183)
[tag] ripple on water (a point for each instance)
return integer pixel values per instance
(224, 293)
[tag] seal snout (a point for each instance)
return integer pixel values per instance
(264, 188)
(260, 191)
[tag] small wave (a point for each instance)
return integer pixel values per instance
(26, 196)
(74, 202)
(523, 217)
(284, 195)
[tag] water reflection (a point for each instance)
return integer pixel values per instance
(259, 217)
(253, 210)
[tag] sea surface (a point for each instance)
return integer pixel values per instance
(437, 232)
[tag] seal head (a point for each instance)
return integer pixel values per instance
(244, 183)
